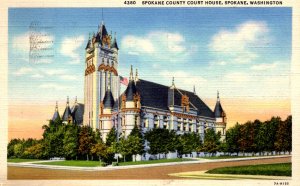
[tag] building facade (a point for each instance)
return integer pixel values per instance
(145, 104)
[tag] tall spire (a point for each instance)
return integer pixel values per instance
(67, 100)
(131, 74)
(136, 75)
(56, 107)
(173, 83)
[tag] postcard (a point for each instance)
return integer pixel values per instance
(152, 92)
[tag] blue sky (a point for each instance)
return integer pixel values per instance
(242, 52)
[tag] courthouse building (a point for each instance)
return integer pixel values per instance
(144, 103)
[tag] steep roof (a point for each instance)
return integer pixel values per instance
(114, 44)
(108, 100)
(219, 112)
(77, 113)
(67, 113)
(55, 115)
(160, 96)
(130, 90)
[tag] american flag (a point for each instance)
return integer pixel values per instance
(123, 80)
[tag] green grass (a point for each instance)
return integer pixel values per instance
(280, 169)
(225, 157)
(76, 163)
(154, 161)
(17, 160)
(83, 163)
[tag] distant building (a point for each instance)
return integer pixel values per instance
(145, 104)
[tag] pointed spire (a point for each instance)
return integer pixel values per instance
(76, 100)
(56, 106)
(194, 90)
(136, 75)
(131, 74)
(173, 83)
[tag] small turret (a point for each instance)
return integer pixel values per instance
(131, 88)
(114, 43)
(136, 75)
(67, 116)
(219, 112)
(56, 115)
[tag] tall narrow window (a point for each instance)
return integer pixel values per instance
(165, 122)
(156, 121)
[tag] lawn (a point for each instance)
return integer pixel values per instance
(279, 169)
(84, 163)
(225, 157)
(76, 163)
(154, 161)
(17, 160)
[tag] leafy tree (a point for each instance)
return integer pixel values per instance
(85, 141)
(136, 141)
(211, 141)
(35, 151)
(70, 141)
(190, 142)
(111, 137)
(100, 150)
(232, 136)
(123, 147)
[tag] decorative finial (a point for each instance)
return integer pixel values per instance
(56, 106)
(76, 100)
(218, 98)
(136, 75)
(194, 90)
(173, 84)
(131, 74)
(67, 100)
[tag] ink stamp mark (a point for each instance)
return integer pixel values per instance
(41, 43)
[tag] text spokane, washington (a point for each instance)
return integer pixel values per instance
(212, 3)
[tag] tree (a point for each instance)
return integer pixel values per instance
(211, 141)
(111, 137)
(136, 141)
(123, 147)
(232, 137)
(190, 143)
(85, 141)
(35, 151)
(100, 150)
(70, 141)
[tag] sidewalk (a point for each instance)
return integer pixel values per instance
(198, 161)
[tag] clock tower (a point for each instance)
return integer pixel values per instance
(101, 71)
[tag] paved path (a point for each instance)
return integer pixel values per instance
(154, 171)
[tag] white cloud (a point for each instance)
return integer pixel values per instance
(53, 86)
(37, 76)
(264, 66)
(54, 71)
(238, 45)
(183, 79)
(69, 48)
(23, 71)
(237, 77)
(162, 46)
(68, 77)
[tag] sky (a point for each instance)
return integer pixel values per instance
(244, 53)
